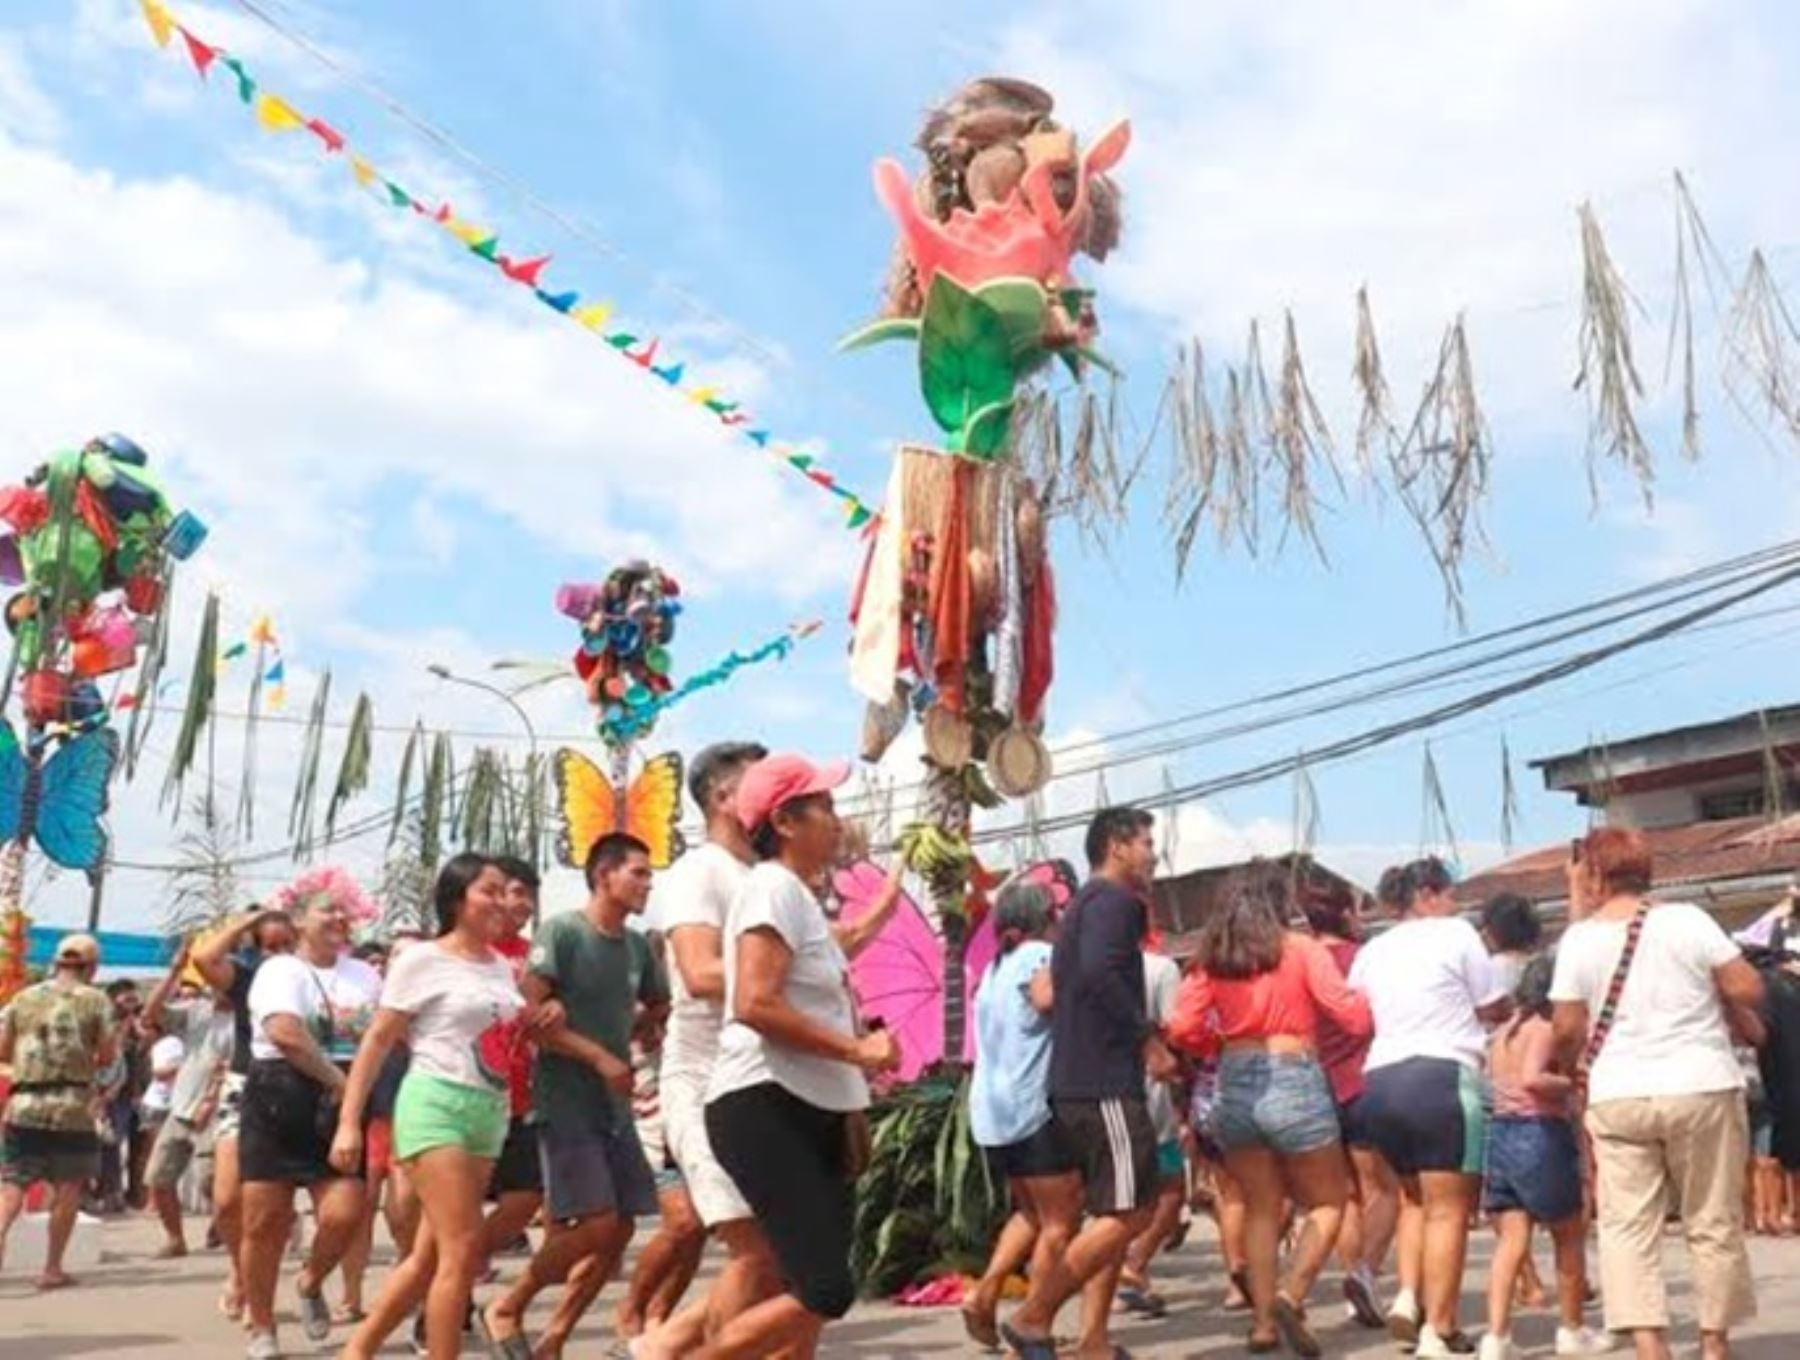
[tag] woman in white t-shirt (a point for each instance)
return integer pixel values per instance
(1432, 989)
(791, 1068)
(455, 1005)
(308, 1011)
(1665, 1091)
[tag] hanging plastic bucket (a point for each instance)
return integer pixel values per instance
(143, 594)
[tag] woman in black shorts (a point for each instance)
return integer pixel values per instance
(1009, 1105)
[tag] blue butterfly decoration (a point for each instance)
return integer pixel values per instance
(71, 796)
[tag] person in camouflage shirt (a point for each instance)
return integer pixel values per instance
(56, 1036)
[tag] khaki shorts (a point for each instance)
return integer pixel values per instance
(716, 1196)
(171, 1153)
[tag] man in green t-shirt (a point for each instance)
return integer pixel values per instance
(596, 1178)
(57, 1037)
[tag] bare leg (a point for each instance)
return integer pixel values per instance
(1512, 1244)
(451, 1183)
(1258, 1174)
(749, 1277)
(510, 1217)
(228, 1217)
(1165, 1217)
(1096, 1310)
(166, 1200)
(65, 1203)
(587, 1277)
(358, 1250)
(781, 1325)
(1065, 1260)
(1379, 1192)
(675, 1283)
(1011, 1250)
(661, 1259)
(1570, 1240)
(398, 1298)
(565, 1244)
(12, 1200)
(1319, 1182)
(402, 1209)
(268, 1216)
(1447, 1197)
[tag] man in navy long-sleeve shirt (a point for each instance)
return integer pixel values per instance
(1102, 1043)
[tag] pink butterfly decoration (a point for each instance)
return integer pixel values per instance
(899, 975)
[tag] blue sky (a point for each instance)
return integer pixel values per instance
(401, 458)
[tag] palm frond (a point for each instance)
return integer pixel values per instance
(196, 714)
(353, 769)
(1608, 370)
(301, 811)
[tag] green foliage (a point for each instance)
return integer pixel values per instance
(966, 368)
(198, 712)
(926, 1203)
(353, 770)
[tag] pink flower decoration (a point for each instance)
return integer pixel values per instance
(336, 885)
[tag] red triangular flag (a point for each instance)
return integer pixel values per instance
(198, 53)
(822, 477)
(644, 359)
(523, 271)
(442, 214)
(326, 133)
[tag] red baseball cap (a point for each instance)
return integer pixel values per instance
(776, 780)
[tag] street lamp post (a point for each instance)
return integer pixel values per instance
(534, 776)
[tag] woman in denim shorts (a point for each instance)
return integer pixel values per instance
(1263, 987)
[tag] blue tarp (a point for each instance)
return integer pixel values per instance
(117, 949)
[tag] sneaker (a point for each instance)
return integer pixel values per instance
(1434, 1347)
(1494, 1347)
(1359, 1296)
(1584, 1341)
(315, 1316)
(263, 1346)
(1403, 1319)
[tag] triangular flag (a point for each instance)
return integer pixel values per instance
(467, 232)
(278, 696)
(443, 214)
(199, 53)
(859, 514)
(276, 673)
(262, 631)
(760, 438)
(400, 197)
(326, 133)
(276, 114)
(246, 86)
(733, 418)
(721, 408)
(593, 315)
(162, 23)
(524, 271)
(704, 396)
(488, 249)
(800, 460)
(364, 172)
(643, 359)
(822, 477)
(562, 302)
(672, 374)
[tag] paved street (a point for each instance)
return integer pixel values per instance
(134, 1307)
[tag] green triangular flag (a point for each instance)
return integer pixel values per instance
(488, 249)
(400, 197)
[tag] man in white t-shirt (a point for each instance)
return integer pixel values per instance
(1162, 979)
(690, 906)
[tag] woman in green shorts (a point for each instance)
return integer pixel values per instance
(454, 1003)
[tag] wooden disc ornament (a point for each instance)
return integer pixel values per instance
(949, 740)
(1019, 763)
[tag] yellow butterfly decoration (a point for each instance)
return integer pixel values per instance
(590, 807)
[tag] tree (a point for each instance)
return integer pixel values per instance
(206, 884)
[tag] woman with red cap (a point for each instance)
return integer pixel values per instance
(792, 1069)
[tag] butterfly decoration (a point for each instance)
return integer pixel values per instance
(899, 975)
(71, 796)
(590, 810)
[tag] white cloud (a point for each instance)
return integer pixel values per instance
(26, 112)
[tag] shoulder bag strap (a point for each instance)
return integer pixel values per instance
(1609, 1008)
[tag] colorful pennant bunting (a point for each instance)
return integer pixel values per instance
(635, 721)
(278, 115)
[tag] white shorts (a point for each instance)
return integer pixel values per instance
(715, 1194)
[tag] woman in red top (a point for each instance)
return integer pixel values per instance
(1264, 987)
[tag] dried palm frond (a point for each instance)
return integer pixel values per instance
(1607, 369)
(1763, 348)
(1435, 816)
(196, 714)
(1693, 242)
(1259, 403)
(353, 769)
(1440, 470)
(1299, 439)
(1239, 510)
(484, 804)
(1195, 464)
(409, 758)
(1509, 798)
(1375, 426)
(536, 793)
(150, 669)
(1306, 810)
(312, 752)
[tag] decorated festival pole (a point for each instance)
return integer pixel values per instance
(91, 542)
(955, 605)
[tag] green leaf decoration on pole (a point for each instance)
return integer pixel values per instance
(198, 712)
(353, 769)
(409, 759)
(434, 803)
(312, 750)
(965, 367)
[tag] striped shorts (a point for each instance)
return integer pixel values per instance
(1427, 1114)
(1115, 1145)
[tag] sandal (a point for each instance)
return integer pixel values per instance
(1145, 1302)
(1290, 1317)
(981, 1328)
(514, 1347)
(1025, 1347)
(1263, 1345)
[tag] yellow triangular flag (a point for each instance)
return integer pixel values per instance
(162, 23)
(701, 395)
(593, 315)
(467, 232)
(364, 172)
(277, 115)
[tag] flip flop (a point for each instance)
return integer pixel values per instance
(1290, 1318)
(1146, 1302)
(1025, 1347)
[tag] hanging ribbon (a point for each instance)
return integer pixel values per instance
(277, 115)
(637, 720)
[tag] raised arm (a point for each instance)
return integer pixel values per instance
(211, 955)
(856, 937)
(165, 986)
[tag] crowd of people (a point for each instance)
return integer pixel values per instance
(1330, 1091)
